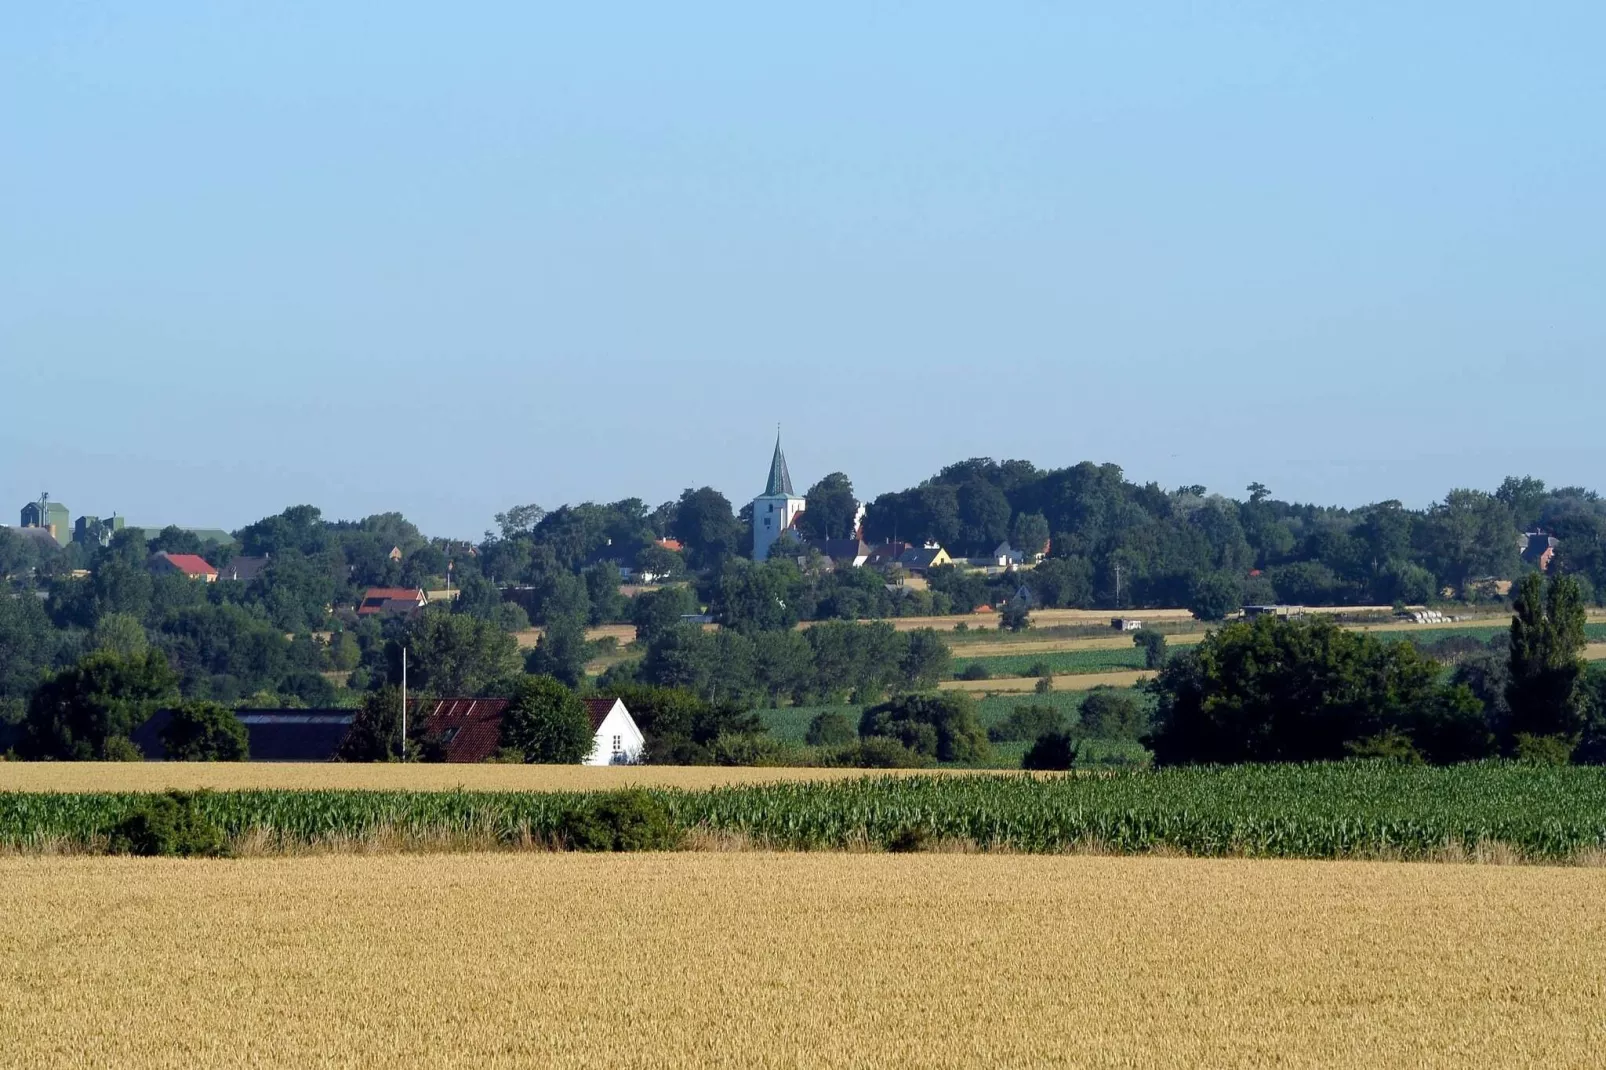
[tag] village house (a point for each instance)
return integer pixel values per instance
(191, 565)
(470, 730)
(383, 601)
(243, 569)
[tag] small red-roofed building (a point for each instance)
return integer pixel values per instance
(377, 601)
(192, 565)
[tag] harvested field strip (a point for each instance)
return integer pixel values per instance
(379, 776)
(1321, 811)
(914, 961)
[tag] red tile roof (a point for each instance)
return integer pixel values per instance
(189, 564)
(671, 544)
(598, 709)
(470, 729)
(380, 599)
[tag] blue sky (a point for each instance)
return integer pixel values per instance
(445, 259)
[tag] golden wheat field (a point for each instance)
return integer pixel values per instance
(382, 776)
(760, 960)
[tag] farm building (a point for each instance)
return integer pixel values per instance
(377, 601)
(922, 559)
(192, 565)
(49, 516)
(275, 735)
(470, 730)
(243, 569)
(1126, 624)
(1251, 612)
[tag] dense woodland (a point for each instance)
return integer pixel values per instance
(290, 636)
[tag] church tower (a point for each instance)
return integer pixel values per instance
(775, 509)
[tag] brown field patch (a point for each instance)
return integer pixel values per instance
(761, 960)
(390, 776)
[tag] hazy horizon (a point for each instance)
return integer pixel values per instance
(379, 258)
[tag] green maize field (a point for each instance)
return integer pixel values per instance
(1345, 810)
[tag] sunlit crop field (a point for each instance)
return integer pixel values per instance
(324, 776)
(760, 960)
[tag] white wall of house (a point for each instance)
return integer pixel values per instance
(618, 741)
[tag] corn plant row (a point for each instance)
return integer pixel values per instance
(1355, 809)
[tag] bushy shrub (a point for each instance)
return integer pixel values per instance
(877, 752)
(1027, 722)
(1153, 646)
(1040, 669)
(941, 726)
(205, 732)
(750, 748)
(1044, 686)
(1543, 750)
(1053, 750)
(831, 729)
(1110, 713)
(167, 825)
(975, 671)
(909, 839)
(630, 820)
(121, 749)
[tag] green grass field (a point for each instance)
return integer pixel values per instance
(1058, 662)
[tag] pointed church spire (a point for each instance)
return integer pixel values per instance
(780, 481)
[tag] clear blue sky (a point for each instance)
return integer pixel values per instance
(448, 258)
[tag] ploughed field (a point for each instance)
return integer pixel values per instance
(1493, 811)
(771, 960)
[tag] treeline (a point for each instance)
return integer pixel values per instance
(833, 661)
(1189, 547)
(1280, 690)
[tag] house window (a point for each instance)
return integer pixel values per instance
(618, 744)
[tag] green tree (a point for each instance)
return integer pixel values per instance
(602, 587)
(1470, 535)
(27, 644)
(175, 540)
(205, 732)
(546, 723)
(375, 733)
(454, 654)
(1152, 644)
(1281, 690)
(1213, 595)
(941, 725)
(706, 527)
(1016, 615)
(1027, 722)
(1028, 533)
(1547, 643)
(561, 651)
(1108, 713)
(656, 612)
(926, 660)
(1052, 751)
(830, 729)
(829, 508)
(77, 713)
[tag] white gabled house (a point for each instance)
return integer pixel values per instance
(615, 738)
